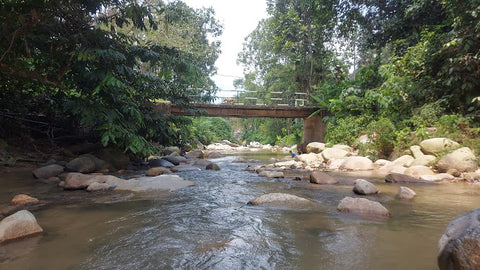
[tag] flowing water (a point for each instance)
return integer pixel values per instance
(210, 226)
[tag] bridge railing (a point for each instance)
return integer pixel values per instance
(248, 97)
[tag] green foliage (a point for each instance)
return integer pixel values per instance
(100, 64)
(211, 129)
(347, 130)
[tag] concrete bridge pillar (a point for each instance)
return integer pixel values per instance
(314, 129)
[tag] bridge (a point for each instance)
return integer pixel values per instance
(245, 104)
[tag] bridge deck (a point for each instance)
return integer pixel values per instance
(243, 111)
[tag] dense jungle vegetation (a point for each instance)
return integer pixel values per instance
(398, 71)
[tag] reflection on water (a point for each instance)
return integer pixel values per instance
(209, 226)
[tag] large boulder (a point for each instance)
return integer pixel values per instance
(47, 171)
(438, 145)
(318, 177)
(171, 149)
(462, 160)
(175, 160)
(23, 199)
(18, 225)
(160, 162)
(311, 159)
(363, 187)
(82, 164)
(334, 153)
(276, 198)
(356, 163)
(404, 179)
(460, 244)
(424, 160)
(417, 171)
(157, 183)
(73, 181)
(405, 160)
(416, 151)
(405, 193)
(343, 147)
(315, 147)
(362, 206)
(196, 154)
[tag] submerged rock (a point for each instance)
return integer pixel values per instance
(22, 199)
(212, 166)
(460, 244)
(356, 164)
(157, 183)
(363, 187)
(405, 193)
(19, 225)
(48, 171)
(361, 206)
(277, 198)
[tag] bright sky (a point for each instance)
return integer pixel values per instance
(239, 19)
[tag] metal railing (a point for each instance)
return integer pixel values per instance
(248, 97)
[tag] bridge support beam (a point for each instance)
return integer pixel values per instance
(314, 129)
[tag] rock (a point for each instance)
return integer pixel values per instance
(356, 164)
(171, 149)
(417, 171)
(405, 193)
(416, 151)
(459, 245)
(472, 177)
(403, 178)
(318, 177)
(463, 160)
(438, 145)
(334, 153)
(212, 166)
(272, 198)
(172, 159)
(47, 171)
(454, 172)
(424, 160)
(362, 206)
(81, 181)
(202, 162)
(18, 225)
(334, 164)
(311, 158)
(184, 168)
(145, 184)
(219, 146)
(289, 164)
(215, 155)
(100, 165)
(95, 186)
(22, 199)
(82, 164)
(363, 139)
(405, 160)
(271, 174)
(363, 187)
(437, 177)
(53, 179)
(157, 171)
(381, 162)
(315, 147)
(196, 154)
(160, 163)
(391, 168)
(343, 147)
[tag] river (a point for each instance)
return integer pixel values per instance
(210, 226)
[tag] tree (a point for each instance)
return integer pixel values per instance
(75, 61)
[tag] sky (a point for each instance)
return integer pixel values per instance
(239, 19)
